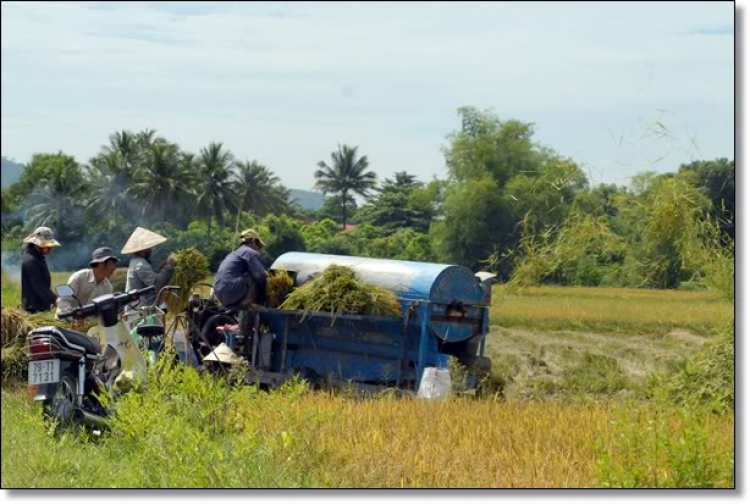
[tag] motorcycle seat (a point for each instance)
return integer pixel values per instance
(91, 345)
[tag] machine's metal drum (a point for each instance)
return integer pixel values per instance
(443, 285)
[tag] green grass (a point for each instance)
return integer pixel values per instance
(615, 310)
(11, 288)
(188, 431)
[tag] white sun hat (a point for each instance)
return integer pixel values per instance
(42, 237)
(142, 239)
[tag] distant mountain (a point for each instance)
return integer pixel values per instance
(307, 200)
(10, 171)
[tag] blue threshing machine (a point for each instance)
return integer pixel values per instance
(444, 313)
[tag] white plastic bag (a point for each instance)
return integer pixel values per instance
(435, 384)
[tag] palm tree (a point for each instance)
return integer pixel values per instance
(161, 183)
(110, 180)
(215, 194)
(259, 190)
(59, 194)
(126, 144)
(346, 175)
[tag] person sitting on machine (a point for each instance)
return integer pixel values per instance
(241, 280)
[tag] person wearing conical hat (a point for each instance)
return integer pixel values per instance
(36, 282)
(141, 273)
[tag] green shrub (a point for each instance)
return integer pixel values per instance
(661, 447)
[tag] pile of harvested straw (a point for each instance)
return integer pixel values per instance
(15, 326)
(339, 290)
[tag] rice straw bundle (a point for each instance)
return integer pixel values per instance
(119, 279)
(278, 287)
(44, 319)
(339, 290)
(191, 268)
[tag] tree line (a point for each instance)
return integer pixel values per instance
(502, 188)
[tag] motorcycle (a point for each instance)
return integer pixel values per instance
(69, 369)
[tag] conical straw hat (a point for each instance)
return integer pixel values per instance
(222, 353)
(142, 239)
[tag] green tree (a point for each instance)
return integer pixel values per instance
(346, 176)
(58, 196)
(600, 200)
(499, 178)
(108, 198)
(259, 190)
(127, 150)
(544, 197)
(665, 223)
(161, 183)
(283, 235)
(331, 208)
(319, 232)
(715, 179)
(485, 144)
(400, 203)
(216, 196)
(476, 219)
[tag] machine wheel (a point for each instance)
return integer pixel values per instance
(209, 331)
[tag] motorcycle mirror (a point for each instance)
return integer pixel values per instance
(65, 291)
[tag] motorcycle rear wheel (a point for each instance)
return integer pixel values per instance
(61, 406)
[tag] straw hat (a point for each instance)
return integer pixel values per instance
(222, 353)
(142, 239)
(42, 237)
(251, 234)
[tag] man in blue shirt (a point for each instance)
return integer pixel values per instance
(241, 279)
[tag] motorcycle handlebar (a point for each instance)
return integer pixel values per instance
(120, 300)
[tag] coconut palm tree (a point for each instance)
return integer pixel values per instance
(346, 176)
(126, 144)
(259, 191)
(215, 194)
(161, 183)
(59, 194)
(108, 198)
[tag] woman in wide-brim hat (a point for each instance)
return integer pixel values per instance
(141, 273)
(36, 282)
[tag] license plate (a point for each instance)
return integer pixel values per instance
(46, 371)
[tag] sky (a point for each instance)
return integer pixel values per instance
(621, 88)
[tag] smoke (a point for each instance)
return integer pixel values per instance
(10, 265)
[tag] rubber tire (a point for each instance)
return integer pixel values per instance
(209, 327)
(62, 405)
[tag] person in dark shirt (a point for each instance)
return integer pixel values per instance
(241, 279)
(36, 283)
